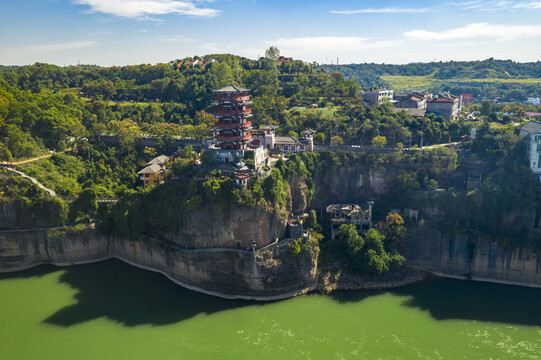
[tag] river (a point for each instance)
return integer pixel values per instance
(110, 310)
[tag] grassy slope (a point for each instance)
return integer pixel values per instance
(401, 83)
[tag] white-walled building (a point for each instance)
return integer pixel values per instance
(445, 105)
(266, 137)
(377, 97)
(532, 136)
(533, 101)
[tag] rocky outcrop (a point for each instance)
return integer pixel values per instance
(263, 275)
(458, 256)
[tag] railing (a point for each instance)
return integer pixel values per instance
(232, 98)
(232, 112)
(233, 138)
(233, 125)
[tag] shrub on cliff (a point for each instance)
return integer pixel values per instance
(365, 255)
(295, 248)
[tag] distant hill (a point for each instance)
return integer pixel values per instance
(504, 79)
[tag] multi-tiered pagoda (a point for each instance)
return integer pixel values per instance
(231, 110)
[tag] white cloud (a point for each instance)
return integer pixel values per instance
(177, 38)
(58, 47)
(381, 11)
(145, 8)
(497, 5)
(529, 5)
(499, 32)
(321, 44)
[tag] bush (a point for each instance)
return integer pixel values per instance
(295, 248)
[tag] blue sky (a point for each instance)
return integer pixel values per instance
(120, 32)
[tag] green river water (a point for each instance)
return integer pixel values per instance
(111, 310)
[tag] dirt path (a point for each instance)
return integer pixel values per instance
(50, 191)
(45, 156)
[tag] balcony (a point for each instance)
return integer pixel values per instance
(233, 137)
(232, 112)
(233, 98)
(235, 125)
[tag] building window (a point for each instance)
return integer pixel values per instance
(302, 148)
(146, 175)
(292, 147)
(147, 181)
(286, 147)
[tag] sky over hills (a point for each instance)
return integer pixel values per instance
(119, 32)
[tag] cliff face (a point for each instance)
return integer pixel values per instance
(352, 184)
(210, 227)
(23, 249)
(264, 275)
(480, 260)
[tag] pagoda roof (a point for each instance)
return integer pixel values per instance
(269, 127)
(232, 88)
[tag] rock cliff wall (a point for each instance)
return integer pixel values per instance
(265, 275)
(352, 184)
(210, 227)
(456, 256)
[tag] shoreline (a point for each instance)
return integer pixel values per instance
(339, 281)
(325, 281)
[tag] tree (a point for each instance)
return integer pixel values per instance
(295, 248)
(486, 108)
(272, 53)
(379, 141)
(337, 140)
(149, 152)
(5, 155)
(394, 231)
(85, 205)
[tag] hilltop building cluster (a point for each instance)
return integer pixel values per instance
(417, 104)
(234, 138)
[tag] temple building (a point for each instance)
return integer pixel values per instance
(266, 136)
(232, 111)
(340, 214)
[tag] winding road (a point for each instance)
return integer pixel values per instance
(40, 185)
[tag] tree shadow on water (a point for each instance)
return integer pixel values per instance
(37, 271)
(345, 296)
(131, 296)
(447, 299)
